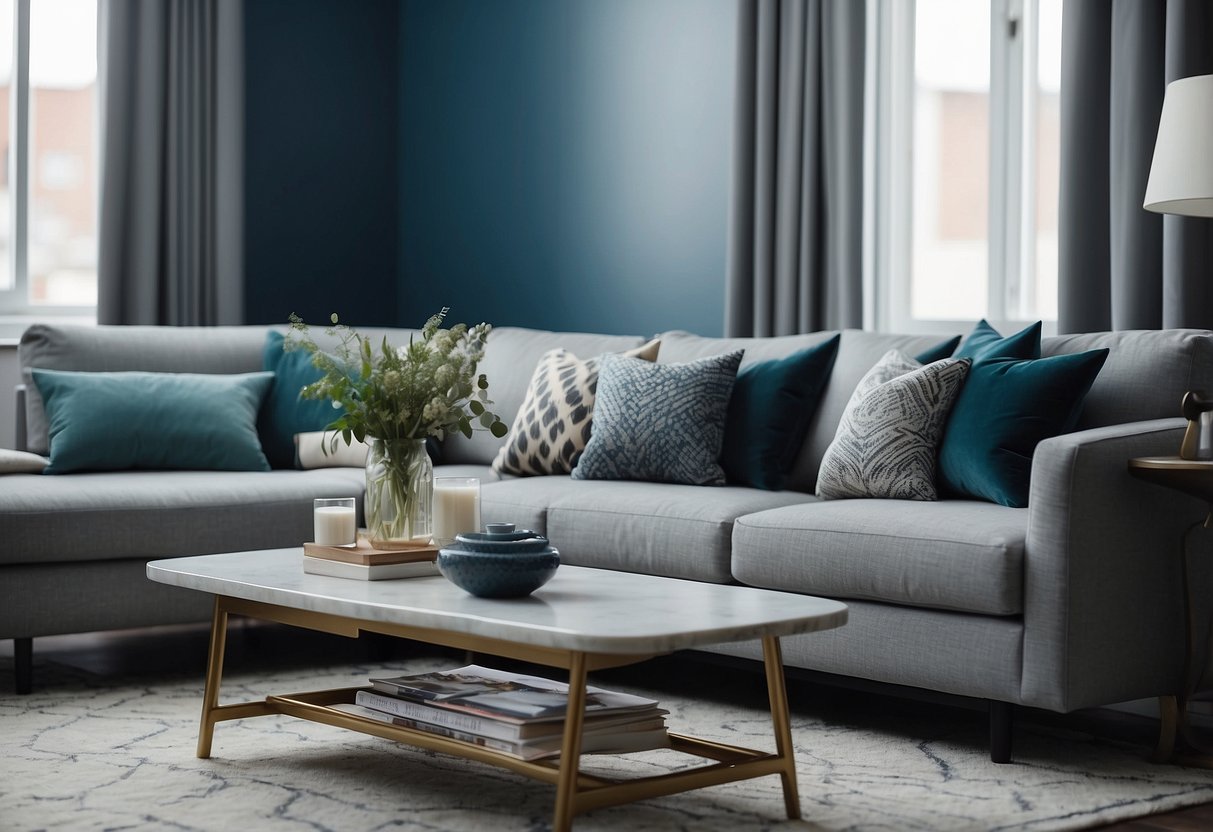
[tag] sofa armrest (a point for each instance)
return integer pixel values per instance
(1102, 586)
(21, 437)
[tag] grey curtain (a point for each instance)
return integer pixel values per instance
(1120, 266)
(796, 217)
(172, 162)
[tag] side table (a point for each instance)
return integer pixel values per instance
(1195, 478)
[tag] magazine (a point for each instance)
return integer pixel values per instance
(504, 696)
(603, 742)
(502, 729)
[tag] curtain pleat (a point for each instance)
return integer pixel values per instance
(1120, 266)
(171, 133)
(795, 231)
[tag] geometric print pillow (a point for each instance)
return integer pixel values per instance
(887, 442)
(660, 422)
(554, 423)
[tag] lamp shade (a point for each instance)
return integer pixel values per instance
(1181, 175)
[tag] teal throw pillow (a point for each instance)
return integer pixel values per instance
(769, 412)
(985, 342)
(285, 413)
(939, 352)
(1007, 406)
(115, 421)
(659, 422)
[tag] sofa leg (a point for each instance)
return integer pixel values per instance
(23, 664)
(1002, 721)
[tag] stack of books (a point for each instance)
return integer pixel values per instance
(362, 562)
(521, 716)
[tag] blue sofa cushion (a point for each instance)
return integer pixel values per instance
(284, 413)
(986, 342)
(1006, 408)
(939, 352)
(769, 412)
(115, 421)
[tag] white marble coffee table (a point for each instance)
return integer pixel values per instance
(582, 620)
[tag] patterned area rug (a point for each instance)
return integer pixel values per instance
(88, 752)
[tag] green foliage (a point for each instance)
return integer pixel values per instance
(429, 387)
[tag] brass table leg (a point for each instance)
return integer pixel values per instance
(570, 748)
(772, 658)
(1173, 710)
(214, 674)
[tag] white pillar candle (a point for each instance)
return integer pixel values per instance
(334, 521)
(456, 508)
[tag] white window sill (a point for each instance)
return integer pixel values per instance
(11, 326)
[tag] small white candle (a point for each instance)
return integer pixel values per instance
(335, 523)
(456, 508)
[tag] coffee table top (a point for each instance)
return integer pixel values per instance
(581, 609)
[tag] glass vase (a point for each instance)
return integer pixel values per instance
(399, 503)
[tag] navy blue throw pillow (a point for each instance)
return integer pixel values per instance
(285, 413)
(1006, 408)
(939, 352)
(769, 412)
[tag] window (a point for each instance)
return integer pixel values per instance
(965, 162)
(48, 131)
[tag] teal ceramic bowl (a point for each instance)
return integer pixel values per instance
(498, 574)
(516, 543)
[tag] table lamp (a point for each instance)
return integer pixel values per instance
(1181, 175)
(1181, 182)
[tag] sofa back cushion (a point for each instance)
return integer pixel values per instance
(1146, 374)
(509, 362)
(858, 352)
(220, 350)
(223, 350)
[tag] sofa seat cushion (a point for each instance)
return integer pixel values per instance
(680, 531)
(129, 514)
(950, 555)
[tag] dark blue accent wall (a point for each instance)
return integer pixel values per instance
(561, 164)
(565, 163)
(321, 160)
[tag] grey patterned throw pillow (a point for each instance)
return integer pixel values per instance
(887, 441)
(554, 422)
(659, 422)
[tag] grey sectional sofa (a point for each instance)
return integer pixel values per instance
(1072, 602)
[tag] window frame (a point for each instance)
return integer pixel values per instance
(15, 302)
(1014, 38)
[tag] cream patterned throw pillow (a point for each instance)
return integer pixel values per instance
(315, 449)
(887, 441)
(21, 462)
(553, 425)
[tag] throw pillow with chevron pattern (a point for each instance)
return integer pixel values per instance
(660, 422)
(554, 423)
(887, 442)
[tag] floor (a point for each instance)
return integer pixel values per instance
(183, 649)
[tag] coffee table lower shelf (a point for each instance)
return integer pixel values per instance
(576, 791)
(732, 762)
